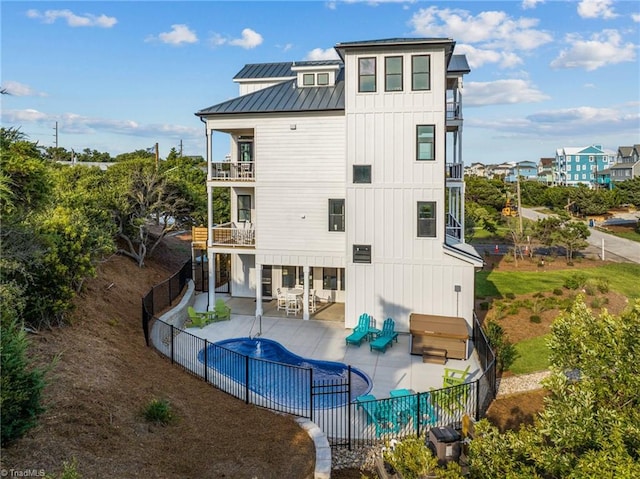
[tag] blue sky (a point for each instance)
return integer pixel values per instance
(120, 76)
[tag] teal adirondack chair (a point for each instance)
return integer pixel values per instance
(361, 331)
(386, 338)
(383, 414)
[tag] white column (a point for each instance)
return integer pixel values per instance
(211, 255)
(305, 293)
(259, 289)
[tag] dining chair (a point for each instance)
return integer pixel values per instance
(293, 306)
(312, 301)
(281, 299)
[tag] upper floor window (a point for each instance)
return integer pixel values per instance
(426, 219)
(362, 173)
(308, 79)
(393, 74)
(420, 72)
(366, 74)
(244, 208)
(425, 137)
(336, 214)
(323, 79)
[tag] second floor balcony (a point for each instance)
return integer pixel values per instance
(455, 171)
(229, 171)
(234, 235)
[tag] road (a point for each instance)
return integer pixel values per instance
(615, 248)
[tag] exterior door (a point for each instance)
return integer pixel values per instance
(266, 281)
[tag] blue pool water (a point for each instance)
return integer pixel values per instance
(270, 377)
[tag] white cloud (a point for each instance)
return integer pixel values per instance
(526, 4)
(78, 124)
(19, 89)
(596, 9)
(635, 17)
(602, 49)
(320, 54)
(178, 35)
(494, 29)
(478, 57)
(250, 39)
(501, 92)
(73, 20)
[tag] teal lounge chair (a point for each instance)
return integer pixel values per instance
(221, 310)
(381, 413)
(361, 331)
(386, 338)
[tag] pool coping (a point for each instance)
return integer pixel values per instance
(323, 450)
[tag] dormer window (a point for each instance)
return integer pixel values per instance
(314, 74)
(323, 79)
(308, 79)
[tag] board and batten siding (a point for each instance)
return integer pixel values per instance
(407, 273)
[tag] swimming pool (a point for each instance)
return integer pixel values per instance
(270, 376)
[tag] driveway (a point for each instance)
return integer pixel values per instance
(603, 244)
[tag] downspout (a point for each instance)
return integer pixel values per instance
(211, 263)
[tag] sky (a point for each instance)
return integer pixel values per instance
(121, 76)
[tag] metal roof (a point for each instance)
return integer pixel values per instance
(278, 70)
(458, 64)
(283, 97)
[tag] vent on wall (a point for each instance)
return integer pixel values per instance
(362, 253)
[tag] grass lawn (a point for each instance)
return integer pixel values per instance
(533, 355)
(622, 277)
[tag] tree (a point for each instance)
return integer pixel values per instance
(590, 426)
(629, 191)
(572, 235)
(489, 193)
(532, 192)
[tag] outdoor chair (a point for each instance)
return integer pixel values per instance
(451, 400)
(361, 331)
(222, 310)
(312, 301)
(386, 337)
(383, 414)
(281, 299)
(454, 377)
(198, 319)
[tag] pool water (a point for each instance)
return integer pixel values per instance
(270, 376)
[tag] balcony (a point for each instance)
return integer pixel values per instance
(454, 112)
(227, 171)
(232, 235)
(453, 229)
(455, 171)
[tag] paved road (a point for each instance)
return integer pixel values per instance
(614, 248)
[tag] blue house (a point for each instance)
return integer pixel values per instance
(575, 166)
(527, 170)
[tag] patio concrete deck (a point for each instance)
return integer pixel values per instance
(325, 340)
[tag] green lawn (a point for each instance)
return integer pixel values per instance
(533, 355)
(623, 278)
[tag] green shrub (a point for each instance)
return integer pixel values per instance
(21, 384)
(158, 411)
(484, 306)
(557, 291)
(603, 285)
(575, 281)
(535, 319)
(538, 295)
(414, 460)
(591, 287)
(513, 309)
(69, 471)
(505, 351)
(510, 296)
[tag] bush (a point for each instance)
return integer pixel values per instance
(510, 296)
(158, 411)
(484, 306)
(505, 351)
(535, 319)
(414, 460)
(557, 291)
(603, 285)
(575, 281)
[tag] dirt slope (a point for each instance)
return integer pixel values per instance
(103, 377)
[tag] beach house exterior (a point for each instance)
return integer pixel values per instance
(575, 166)
(346, 180)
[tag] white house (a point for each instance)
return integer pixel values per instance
(346, 178)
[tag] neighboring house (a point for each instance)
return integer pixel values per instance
(575, 166)
(527, 170)
(338, 174)
(502, 170)
(99, 164)
(545, 170)
(476, 169)
(627, 166)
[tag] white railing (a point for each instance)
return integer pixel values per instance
(226, 171)
(232, 235)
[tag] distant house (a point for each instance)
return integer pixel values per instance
(476, 169)
(626, 167)
(575, 166)
(546, 171)
(501, 170)
(527, 170)
(342, 185)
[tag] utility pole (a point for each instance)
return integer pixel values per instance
(157, 157)
(519, 201)
(180, 148)
(55, 157)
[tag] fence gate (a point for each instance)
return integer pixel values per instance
(332, 410)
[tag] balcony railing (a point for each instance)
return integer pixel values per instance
(234, 235)
(227, 171)
(453, 228)
(455, 171)
(454, 112)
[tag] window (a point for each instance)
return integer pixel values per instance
(591, 159)
(425, 150)
(244, 208)
(362, 173)
(426, 219)
(323, 79)
(366, 74)
(393, 74)
(568, 167)
(308, 79)
(420, 77)
(362, 253)
(288, 276)
(336, 215)
(333, 279)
